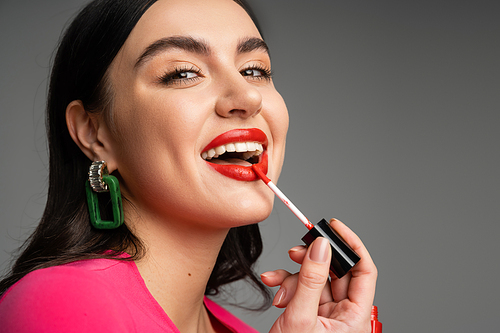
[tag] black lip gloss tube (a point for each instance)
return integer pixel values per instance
(343, 256)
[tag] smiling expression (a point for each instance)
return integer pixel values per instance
(190, 85)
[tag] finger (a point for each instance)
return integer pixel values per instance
(297, 253)
(274, 278)
(361, 289)
(339, 287)
(287, 283)
(326, 310)
(287, 290)
(313, 275)
(285, 293)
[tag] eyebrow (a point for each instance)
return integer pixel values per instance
(252, 44)
(193, 45)
(175, 42)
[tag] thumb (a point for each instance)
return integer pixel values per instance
(312, 278)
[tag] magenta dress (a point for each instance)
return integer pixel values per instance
(98, 295)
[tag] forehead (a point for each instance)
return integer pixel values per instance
(219, 22)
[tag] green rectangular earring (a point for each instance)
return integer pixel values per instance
(101, 181)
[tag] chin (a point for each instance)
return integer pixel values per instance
(245, 213)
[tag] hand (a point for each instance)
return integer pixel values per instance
(311, 302)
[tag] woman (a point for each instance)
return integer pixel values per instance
(159, 94)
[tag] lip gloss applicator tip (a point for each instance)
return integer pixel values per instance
(343, 256)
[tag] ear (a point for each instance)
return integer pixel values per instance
(85, 129)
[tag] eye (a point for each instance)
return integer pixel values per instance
(184, 75)
(257, 73)
(181, 75)
(252, 72)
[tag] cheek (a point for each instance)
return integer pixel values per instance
(158, 121)
(155, 136)
(276, 115)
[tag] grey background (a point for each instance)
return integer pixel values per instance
(394, 110)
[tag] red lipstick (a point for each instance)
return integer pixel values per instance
(343, 256)
(240, 172)
(238, 135)
(237, 171)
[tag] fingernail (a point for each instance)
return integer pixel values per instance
(268, 274)
(319, 251)
(296, 248)
(279, 297)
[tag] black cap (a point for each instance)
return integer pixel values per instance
(343, 256)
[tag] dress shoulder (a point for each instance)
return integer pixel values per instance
(228, 319)
(67, 298)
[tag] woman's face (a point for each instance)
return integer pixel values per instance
(191, 81)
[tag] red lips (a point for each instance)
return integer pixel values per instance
(239, 172)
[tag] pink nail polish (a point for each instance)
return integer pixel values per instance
(268, 274)
(279, 297)
(343, 256)
(319, 251)
(296, 249)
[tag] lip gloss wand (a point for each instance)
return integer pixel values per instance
(343, 256)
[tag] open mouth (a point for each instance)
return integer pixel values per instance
(233, 153)
(239, 153)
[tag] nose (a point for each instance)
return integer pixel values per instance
(238, 98)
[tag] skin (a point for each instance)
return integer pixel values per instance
(311, 302)
(178, 205)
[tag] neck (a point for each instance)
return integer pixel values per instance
(176, 268)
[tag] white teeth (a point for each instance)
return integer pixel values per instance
(248, 154)
(220, 150)
(249, 150)
(241, 147)
(211, 153)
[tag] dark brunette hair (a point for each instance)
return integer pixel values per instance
(64, 233)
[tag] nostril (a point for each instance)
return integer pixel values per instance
(237, 112)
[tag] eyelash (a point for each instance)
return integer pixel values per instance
(169, 78)
(266, 72)
(172, 77)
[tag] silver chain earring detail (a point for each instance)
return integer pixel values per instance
(97, 170)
